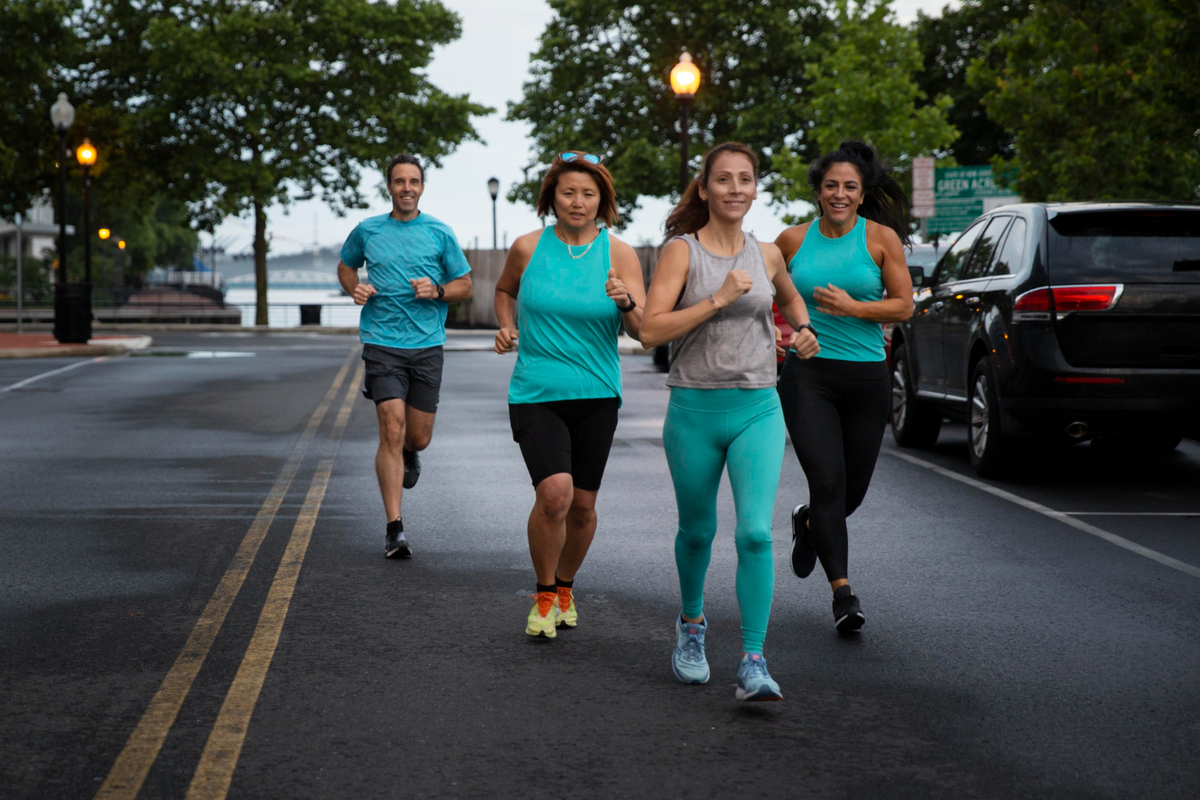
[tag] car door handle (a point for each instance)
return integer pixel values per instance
(972, 301)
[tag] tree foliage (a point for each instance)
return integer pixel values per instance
(600, 82)
(864, 87)
(949, 44)
(240, 101)
(1102, 97)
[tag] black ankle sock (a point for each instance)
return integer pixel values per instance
(563, 584)
(396, 527)
(543, 588)
(842, 591)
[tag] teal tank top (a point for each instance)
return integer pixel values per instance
(568, 325)
(846, 263)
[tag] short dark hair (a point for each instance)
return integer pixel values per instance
(604, 182)
(404, 158)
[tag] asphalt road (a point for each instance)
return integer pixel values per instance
(194, 602)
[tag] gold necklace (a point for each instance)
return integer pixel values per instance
(571, 252)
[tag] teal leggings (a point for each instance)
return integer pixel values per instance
(705, 431)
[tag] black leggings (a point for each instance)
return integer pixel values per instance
(836, 412)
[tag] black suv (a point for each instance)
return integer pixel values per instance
(1056, 321)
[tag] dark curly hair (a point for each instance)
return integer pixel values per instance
(883, 199)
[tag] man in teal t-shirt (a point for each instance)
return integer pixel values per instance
(414, 268)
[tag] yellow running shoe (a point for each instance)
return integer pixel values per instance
(543, 616)
(567, 615)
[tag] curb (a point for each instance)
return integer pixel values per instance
(103, 347)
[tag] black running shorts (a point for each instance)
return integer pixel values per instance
(572, 436)
(414, 376)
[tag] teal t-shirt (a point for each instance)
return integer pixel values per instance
(568, 325)
(846, 263)
(394, 253)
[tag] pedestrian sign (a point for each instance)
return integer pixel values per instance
(963, 193)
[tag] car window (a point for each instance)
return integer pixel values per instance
(985, 250)
(1012, 254)
(1150, 245)
(952, 265)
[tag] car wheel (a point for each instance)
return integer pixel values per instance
(914, 424)
(991, 451)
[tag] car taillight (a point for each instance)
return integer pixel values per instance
(1064, 299)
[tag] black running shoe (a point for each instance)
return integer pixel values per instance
(412, 468)
(396, 546)
(847, 613)
(804, 556)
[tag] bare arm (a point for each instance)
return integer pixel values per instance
(625, 284)
(507, 287)
(790, 303)
(888, 252)
(455, 290)
(348, 277)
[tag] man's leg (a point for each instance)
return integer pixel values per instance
(388, 463)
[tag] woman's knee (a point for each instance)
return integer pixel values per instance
(554, 495)
(754, 539)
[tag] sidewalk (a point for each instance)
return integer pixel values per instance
(43, 345)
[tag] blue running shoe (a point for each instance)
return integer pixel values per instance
(688, 660)
(753, 680)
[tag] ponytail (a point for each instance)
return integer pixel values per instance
(884, 201)
(692, 212)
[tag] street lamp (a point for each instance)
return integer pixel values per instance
(685, 80)
(72, 303)
(104, 233)
(87, 158)
(494, 190)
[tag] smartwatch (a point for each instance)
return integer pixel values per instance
(632, 305)
(798, 328)
(442, 293)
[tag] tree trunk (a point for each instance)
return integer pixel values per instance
(260, 263)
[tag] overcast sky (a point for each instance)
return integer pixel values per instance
(490, 62)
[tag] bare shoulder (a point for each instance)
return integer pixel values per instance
(620, 248)
(676, 248)
(881, 235)
(771, 253)
(526, 243)
(790, 240)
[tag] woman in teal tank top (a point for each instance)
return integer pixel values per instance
(564, 295)
(836, 405)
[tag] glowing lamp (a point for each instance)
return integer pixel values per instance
(685, 76)
(86, 153)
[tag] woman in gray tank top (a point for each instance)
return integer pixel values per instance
(711, 295)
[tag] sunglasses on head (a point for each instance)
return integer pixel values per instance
(588, 157)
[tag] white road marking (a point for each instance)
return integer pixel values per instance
(1062, 517)
(27, 381)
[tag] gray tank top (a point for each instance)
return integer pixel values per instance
(734, 348)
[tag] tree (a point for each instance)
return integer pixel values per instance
(600, 82)
(864, 87)
(40, 50)
(1102, 98)
(242, 103)
(949, 44)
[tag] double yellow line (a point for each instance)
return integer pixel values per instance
(217, 762)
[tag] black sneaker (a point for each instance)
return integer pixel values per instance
(847, 613)
(396, 546)
(804, 556)
(412, 468)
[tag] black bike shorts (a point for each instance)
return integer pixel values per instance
(572, 436)
(414, 376)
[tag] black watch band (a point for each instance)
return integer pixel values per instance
(442, 292)
(632, 305)
(809, 327)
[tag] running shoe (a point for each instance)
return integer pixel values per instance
(543, 616)
(754, 683)
(847, 613)
(412, 468)
(804, 555)
(688, 661)
(396, 546)
(567, 615)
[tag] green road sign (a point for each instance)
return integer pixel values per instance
(963, 193)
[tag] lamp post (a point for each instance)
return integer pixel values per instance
(72, 303)
(87, 158)
(494, 190)
(685, 80)
(104, 233)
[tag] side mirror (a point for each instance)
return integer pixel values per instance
(918, 276)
